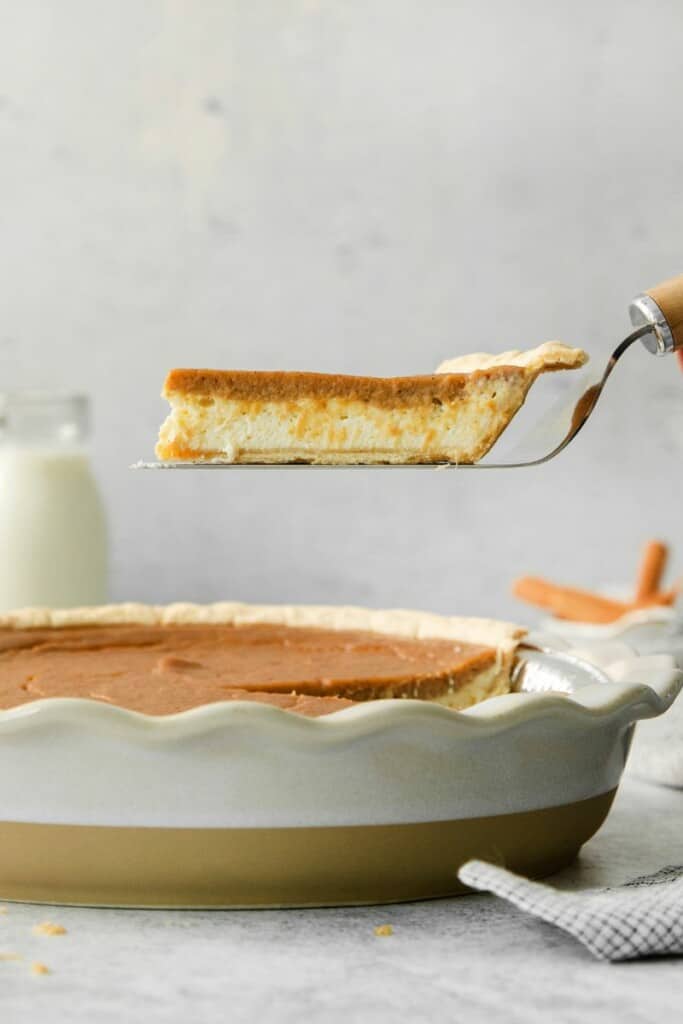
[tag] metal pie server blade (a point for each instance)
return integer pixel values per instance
(541, 670)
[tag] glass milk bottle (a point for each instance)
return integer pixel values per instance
(53, 543)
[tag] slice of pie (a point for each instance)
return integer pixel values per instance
(454, 415)
(309, 660)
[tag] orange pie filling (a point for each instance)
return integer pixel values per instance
(163, 669)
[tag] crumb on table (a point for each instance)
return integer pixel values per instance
(48, 928)
(38, 968)
(384, 929)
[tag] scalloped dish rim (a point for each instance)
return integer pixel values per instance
(599, 700)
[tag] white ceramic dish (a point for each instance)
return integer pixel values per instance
(246, 805)
(648, 631)
(657, 753)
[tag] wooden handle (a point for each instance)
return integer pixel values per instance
(669, 298)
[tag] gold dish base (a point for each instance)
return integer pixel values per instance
(282, 867)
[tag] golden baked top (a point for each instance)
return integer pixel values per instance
(285, 385)
(446, 384)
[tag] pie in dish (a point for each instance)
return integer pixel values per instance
(305, 659)
(454, 415)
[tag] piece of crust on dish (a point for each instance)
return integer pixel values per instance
(308, 660)
(452, 416)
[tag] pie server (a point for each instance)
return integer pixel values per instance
(540, 669)
(656, 315)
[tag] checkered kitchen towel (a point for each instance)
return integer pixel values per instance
(642, 918)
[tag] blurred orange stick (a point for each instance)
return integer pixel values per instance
(576, 605)
(568, 602)
(651, 570)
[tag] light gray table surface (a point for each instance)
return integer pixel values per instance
(471, 958)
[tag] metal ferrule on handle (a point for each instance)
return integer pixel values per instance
(661, 308)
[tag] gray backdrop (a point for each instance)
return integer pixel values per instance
(362, 187)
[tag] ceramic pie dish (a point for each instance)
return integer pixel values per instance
(654, 630)
(242, 804)
(657, 753)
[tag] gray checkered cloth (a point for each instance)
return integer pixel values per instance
(641, 918)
